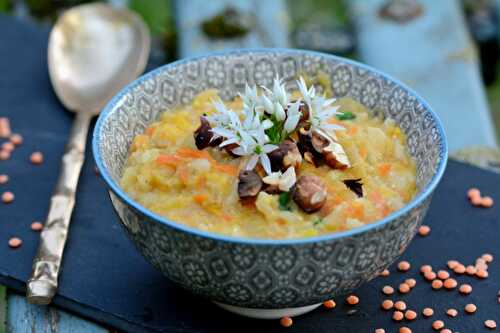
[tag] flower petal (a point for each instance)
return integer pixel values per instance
(266, 163)
(252, 162)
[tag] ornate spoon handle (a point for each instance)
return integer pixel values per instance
(42, 285)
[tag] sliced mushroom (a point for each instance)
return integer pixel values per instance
(304, 109)
(286, 155)
(203, 134)
(309, 193)
(229, 149)
(249, 184)
(306, 148)
(332, 151)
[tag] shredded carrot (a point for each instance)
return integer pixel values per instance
(199, 198)
(194, 153)
(170, 160)
(150, 130)
(183, 174)
(327, 207)
(201, 182)
(227, 217)
(363, 152)
(356, 210)
(226, 168)
(281, 221)
(384, 169)
(353, 129)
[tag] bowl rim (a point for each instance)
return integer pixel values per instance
(113, 186)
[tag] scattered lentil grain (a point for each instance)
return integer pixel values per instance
(459, 269)
(387, 304)
(352, 300)
(465, 289)
(437, 325)
(487, 202)
(452, 264)
(487, 257)
(443, 275)
(473, 192)
(491, 324)
(4, 155)
(452, 313)
(427, 312)
(15, 242)
(470, 270)
(388, 290)
(286, 321)
(400, 305)
(450, 283)
(437, 284)
(430, 276)
(7, 197)
(329, 304)
(476, 201)
(379, 330)
(404, 266)
(445, 330)
(36, 157)
(4, 127)
(36, 226)
(424, 230)
(410, 315)
(404, 288)
(470, 308)
(16, 139)
(8, 146)
(398, 316)
(411, 282)
(404, 329)
(4, 179)
(385, 272)
(482, 274)
(425, 268)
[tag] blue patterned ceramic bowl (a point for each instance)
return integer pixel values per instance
(256, 273)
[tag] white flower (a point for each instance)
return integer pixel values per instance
(320, 108)
(292, 117)
(250, 98)
(275, 101)
(284, 181)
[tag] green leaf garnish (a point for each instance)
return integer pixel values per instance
(318, 221)
(284, 201)
(347, 115)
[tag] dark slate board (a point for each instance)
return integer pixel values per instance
(105, 279)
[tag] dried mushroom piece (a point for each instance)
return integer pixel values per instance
(354, 185)
(306, 148)
(309, 193)
(285, 156)
(203, 134)
(249, 184)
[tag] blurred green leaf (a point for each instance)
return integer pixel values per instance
(5, 7)
(156, 13)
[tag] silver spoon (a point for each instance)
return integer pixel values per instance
(94, 50)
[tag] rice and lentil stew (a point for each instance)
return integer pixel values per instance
(271, 164)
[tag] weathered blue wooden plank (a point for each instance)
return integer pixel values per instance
(29, 318)
(271, 25)
(433, 54)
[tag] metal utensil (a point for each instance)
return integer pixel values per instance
(94, 50)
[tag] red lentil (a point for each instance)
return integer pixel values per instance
(465, 289)
(36, 157)
(410, 315)
(424, 230)
(487, 257)
(443, 275)
(36, 226)
(387, 304)
(437, 325)
(450, 283)
(385, 272)
(286, 321)
(8, 146)
(452, 264)
(398, 316)
(379, 330)
(352, 300)
(400, 305)
(476, 201)
(481, 265)
(404, 266)
(437, 284)
(4, 155)
(7, 197)
(425, 268)
(4, 127)
(470, 308)
(404, 288)
(491, 324)
(388, 290)
(427, 312)
(430, 276)
(473, 192)
(4, 179)
(16, 139)
(411, 282)
(15, 242)
(482, 274)
(404, 330)
(470, 270)
(459, 269)
(487, 202)
(445, 330)
(329, 304)
(452, 312)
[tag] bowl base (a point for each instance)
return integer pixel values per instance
(268, 313)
